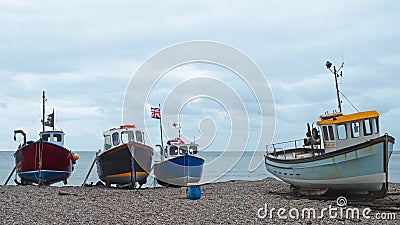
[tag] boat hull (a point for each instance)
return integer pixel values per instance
(361, 168)
(179, 171)
(114, 166)
(43, 163)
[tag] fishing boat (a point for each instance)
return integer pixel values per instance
(45, 161)
(343, 152)
(180, 163)
(125, 159)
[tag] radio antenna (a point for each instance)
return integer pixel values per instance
(336, 73)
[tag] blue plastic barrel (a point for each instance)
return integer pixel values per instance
(194, 191)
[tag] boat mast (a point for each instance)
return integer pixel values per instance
(336, 73)
(43, 112)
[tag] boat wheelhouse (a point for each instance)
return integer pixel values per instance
(54, 137)
(343, 130)
(123, 135)
(177, 147)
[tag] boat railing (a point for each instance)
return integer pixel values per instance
(273, 148)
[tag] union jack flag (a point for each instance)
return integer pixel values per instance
(155, 113)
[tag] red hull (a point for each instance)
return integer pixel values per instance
(43, 156)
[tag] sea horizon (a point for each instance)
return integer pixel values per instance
(238, 171)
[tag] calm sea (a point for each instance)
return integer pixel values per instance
(239, 171)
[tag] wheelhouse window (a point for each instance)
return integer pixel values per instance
(325, 131)
(331, 136)
(342, 131)
(193, 149)
(183, 150)
(376, 125)
(139, 136)
(367, 127)
(115, 138)
(173, 150)
(46, 137)
(126, 136)
(328, 133)
(57, 137)
(107, 142)
(355, 129)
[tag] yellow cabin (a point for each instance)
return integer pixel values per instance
(341, 131)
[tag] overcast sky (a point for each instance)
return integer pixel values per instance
(84, 54)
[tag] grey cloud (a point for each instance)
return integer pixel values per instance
(84, 54)
(3, 105)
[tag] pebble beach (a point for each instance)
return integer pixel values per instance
(232, 202)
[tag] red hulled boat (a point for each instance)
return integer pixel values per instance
(45, 161)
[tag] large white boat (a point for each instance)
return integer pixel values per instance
(342, 152)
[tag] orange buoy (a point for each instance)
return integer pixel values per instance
(75, 156)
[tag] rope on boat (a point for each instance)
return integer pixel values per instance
(39, 154)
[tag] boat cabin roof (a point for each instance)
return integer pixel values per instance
(52, 132)
(339, 118)
(122, 135)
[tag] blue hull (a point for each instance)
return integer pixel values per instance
(362, 168)
(47, 176)
(179, 171)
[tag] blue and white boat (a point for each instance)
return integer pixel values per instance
(179, 165)
(345, 153)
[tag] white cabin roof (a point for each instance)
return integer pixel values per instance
(122, 135)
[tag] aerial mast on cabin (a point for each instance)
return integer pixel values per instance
(177, 126)
(336, 73)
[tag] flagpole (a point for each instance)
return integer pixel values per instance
(54, 120)
(161, 136)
